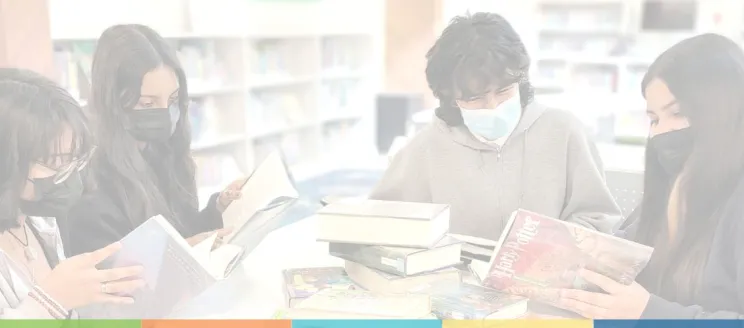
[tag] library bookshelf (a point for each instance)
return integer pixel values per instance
(589, 56)
(299, 76)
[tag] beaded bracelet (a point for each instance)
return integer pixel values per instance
(50, 302)
(50, 308)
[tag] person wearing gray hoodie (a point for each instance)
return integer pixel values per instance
(491, 149)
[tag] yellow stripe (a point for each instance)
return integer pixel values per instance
(525, 323)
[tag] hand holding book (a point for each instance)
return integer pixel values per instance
(619, 302)
(232, 192)
(77, 282)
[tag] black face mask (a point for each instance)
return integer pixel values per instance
(154, 124)
(53, 200)
(672, 149)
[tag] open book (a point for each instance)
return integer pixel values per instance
(175, 272)
(267, 193)
(538, 255)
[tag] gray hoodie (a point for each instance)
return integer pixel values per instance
(547, 165)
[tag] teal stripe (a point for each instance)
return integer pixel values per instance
(366, 324)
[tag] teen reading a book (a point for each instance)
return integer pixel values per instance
(692, 211)
(491, 149)
(45, 142)
(143, 166)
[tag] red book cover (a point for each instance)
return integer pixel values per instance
(538, 255)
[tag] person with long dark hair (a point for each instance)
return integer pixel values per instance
(143, 166)
(692, 211)
(491, 149)
(45, 142)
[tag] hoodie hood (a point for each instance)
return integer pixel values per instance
(450, 121)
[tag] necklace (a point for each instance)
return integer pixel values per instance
(29, 252)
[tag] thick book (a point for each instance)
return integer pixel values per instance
(267, 193)
(364, 304)
(310, 314)
(472, 302)
(175, 272)
(301, 283)
(401, 261)
(383, 223)
(475, 248)
(382, 282)
(538, 255)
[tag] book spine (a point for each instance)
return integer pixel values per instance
(375, 257)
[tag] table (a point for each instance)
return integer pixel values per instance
(255, 290)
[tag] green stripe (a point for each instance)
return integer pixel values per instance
(70, 324)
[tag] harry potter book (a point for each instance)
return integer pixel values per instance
(537, 256)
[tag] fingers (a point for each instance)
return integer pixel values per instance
(607, 284)
(232, 194)
(119, 273)
(224, 231)
(98, 256)
(598, 299)
(193, 240)
(114, 299)
(124, 287)
(586, 310)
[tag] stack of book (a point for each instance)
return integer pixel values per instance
(391, 247)
(399, 257)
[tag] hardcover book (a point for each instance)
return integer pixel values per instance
(301, 283)
(401, 261)
(471, 302)
(368, 304)
(538, 255)
(383, 223)
(382, 282)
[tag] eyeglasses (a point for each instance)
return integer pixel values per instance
(76, 165)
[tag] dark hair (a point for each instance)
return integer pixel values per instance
(475, 54)
(124, 54)
(34, 113)
(705, 73)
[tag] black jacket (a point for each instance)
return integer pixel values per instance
(98, 219)
(721, 294)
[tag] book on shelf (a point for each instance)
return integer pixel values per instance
(401, 261)
(538, 255)
(384, 223)
(360, 304)
(382, 282)
(472, 302)
(301, 283)
(267, 193)
(175, 272)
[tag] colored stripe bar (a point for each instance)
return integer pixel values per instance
(366, 324)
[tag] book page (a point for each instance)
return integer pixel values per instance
(269, 181)
(222, 260)
(202, 251)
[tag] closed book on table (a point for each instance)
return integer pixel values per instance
(381, 282)
(384, 223)
(475, 248)
(402, 261)
(360, 304)
(471, 302)
(301, 283)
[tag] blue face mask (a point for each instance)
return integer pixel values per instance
(496, 123)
